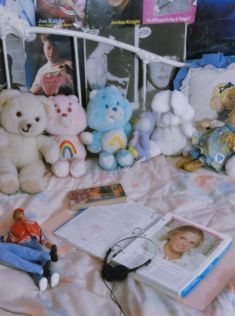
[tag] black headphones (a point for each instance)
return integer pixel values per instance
(119, 272)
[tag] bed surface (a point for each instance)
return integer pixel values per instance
(204, 196)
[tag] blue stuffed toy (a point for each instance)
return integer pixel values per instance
(141, 146)
(108, 115)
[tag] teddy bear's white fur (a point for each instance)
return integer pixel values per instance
(23, 119)
(174, 122)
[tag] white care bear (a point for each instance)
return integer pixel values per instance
(67, 119)
(23, 119)
(174, 122)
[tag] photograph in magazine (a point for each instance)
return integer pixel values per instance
(49, 64)
(108, 65)
(105, 13)
(61, 13)
(169, 11)
(183, 252)
(184, 245)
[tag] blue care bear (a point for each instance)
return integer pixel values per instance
(108, 115)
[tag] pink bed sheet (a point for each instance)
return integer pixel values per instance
(204, 196)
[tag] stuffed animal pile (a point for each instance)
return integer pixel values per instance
(67, 119)
(108, 115)
(23, 119)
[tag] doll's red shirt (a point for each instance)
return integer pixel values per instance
(24, 230)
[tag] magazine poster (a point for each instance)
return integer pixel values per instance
(105, 13)
(60, 13)
(169, 11)
(108, 65)
(213, 30)
(50, 64)
(155, 38)
(24, 9)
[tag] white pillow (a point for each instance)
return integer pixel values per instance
(199, 84)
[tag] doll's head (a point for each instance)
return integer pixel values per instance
(18, 214)
(66, 116)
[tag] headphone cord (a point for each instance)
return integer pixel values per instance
(113, 297)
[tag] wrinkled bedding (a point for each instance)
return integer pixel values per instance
(204, 196)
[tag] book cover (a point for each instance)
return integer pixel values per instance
(106, 194)
(103, 14)
(169, 11)
(60, 13)
(185, 252)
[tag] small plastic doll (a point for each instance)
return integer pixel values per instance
(29, 234)
(212, 148)
(35, 262)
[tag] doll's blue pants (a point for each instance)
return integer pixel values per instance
(23, 258)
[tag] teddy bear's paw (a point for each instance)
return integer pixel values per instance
(52, 155)
(125, 158)
(77, 168)
(61, 168)
(230, 167)
(107, 161)
(154, 149)
(86, 138)
(9, 184)
(33, 185)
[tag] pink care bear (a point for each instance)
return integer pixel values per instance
(67, 119)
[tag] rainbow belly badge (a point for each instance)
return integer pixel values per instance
(117, 141)
(67, 149)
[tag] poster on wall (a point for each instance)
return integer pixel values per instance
(109, 65)
(105, 13)
(213, 30)
(169, 11)
(155, 38)
(60, 13)
(24, 9)
(49, 64)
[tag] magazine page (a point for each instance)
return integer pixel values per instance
(102, 14)
(49, 64)
(169, 11)
(184, 253)
(96, 229)
(61, 13)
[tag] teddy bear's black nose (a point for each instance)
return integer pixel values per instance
(115, 109)
(29, 125)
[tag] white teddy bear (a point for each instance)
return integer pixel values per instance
(23, 119)
(174, 122)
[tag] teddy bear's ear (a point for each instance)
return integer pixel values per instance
(7, 95)
(46, 102)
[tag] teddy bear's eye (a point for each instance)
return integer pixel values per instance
(106, 106)
(37, 119)
(118, 103)
(58, 111)
(18, 114)
(69, 109)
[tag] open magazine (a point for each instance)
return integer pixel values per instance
(192, 251)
